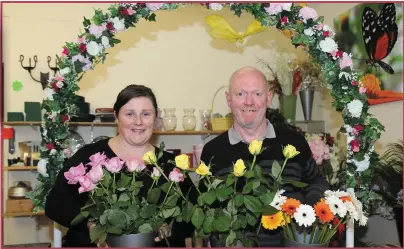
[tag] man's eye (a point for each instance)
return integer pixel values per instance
(239, 94)
(258, 94)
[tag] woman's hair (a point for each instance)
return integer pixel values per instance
(134, 91)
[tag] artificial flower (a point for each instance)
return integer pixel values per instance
(362, 90)
(105, 41)
(154, 6)
(355, 108)
(305, 215)
(290, 205)
(64, 71)
(182, 161)
(255, 147)
(272, 222)
(215, 6)
(42, 167)
(149, 158)
(239, 168)
(49, 93)
(276, 8)
(323, 212)
(308, 32)
(355, 146)
(290, 151)
(328, 45)
(345, 61)
(97, 30)
(307, 13)
(203, 170)
(119, 24)
(93, 48)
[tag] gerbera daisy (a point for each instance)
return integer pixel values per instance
(323, 212)
(345, 198)
(272, 222)
(305, 215)
(351, 210)
(290, 205)
(336, 205)
(278, 200)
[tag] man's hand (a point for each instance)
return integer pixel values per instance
(90, 225)
(163, 233)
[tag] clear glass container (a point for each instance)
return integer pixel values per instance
(169, 119)
(206, 119)
(189, 119)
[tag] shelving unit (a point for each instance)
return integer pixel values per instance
(20, 168)
(24, 214)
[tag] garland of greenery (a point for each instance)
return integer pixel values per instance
(307, 29)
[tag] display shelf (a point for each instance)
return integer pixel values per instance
(20, 168)
(23, 214)
(112, 124)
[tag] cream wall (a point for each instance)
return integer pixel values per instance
(175, 56)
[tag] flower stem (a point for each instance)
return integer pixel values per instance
(113, 184)
(305, 233)
(283, 166)
(253, 162)
(165, 198)
(162, 172)
(293, 230)
(313, 231)
(196, 186)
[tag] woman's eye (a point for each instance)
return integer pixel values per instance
(129, 114)
(146, 114)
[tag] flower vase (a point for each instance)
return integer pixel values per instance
(189, 119)
(301, 243)
(306, 98)
(131, 240)
(169, 119)
(288, 106)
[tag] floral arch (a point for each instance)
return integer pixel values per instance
(306, 29)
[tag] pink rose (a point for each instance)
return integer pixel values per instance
(130, 11)
(275, 8)
(362, 90)
(81, 39)
(95, 174)
(345, 61)
(135, 165)
(355, 145)
(97, 159)
(86, 185)
(357, 128)
(75, 173)
(307, 13)
(114, 165)
(176, 175)
(284, 20)
(319, 26)
(154, 6)
(59, 78)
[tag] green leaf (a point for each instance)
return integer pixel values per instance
(209, 197)
(96, 232)
(148, 211)
(197, 218)
(249, 174)
(208, 224)
(252, 203)
(269, 210)
(231, 208)
(145, 228)
(123, 182)
(172, 201)
(247, 188)
(187, 211)
(154, 196)
(78, 219)
(124, 197)
(320, 19)
(222, 224)
(168, 212)
(258, 171)
(106, 179)
(296, 183)
(238, 200)
(133, 211)
(118, 218)
(230, 180)
(251, 219)
(114, 230)
(255, 184)
(276, 169)
(165, 187)
(230, 239)
(223, 193)
(216, 182)
(267, 198)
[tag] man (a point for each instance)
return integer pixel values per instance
(248, 97)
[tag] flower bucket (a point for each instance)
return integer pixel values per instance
(220, 124)
(131, 240)
(300, 241)
(288, 106)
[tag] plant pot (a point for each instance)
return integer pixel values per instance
(300, 241)
(132, 240)
(288, 106)
(306, 98)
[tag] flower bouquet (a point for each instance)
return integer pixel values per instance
(319, 222)
(121, 202)
(228, 209)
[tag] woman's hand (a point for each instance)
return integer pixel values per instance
(90, 225)
(163, 233)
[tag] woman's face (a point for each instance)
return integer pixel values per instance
(136, 120)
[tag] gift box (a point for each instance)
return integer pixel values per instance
(32, 111)
(15, 116)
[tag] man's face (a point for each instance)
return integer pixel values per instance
(248, 98)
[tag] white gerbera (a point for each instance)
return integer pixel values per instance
(305, 215)
(336, 205)
(355, 108)
(278, 200)
(353, 213)
(338, 193)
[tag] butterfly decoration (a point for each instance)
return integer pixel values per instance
(221, 29)
(379, 34)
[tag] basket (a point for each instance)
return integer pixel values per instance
(220, 124)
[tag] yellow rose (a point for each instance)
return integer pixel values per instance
(290, 151)
(203, 170)
(239, 168)
(149, 158)
(182, 161)
(255, 147)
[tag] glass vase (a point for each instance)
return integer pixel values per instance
(169, 119)
(189, 119)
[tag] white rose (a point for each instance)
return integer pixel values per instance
(362, 165)
(355, 108)
(105, 41)
(328, 45)
(42, 167)
(93, 48)
(287, 6)
(216, 6)
(59, 84)
(309, 32)
(64, 71)
(119, 24)
(49, 93)
(53, 152)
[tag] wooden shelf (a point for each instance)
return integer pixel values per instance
(24, 214)
(20, 168)
(112, 124)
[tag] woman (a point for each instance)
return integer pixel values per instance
(135, 110)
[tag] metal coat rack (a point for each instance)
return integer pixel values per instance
(44, 77)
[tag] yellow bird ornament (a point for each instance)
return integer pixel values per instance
(221, 29)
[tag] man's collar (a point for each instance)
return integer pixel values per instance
(235, 138)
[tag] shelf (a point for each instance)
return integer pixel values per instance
(24, 214)
(20, 168)
(112, 124)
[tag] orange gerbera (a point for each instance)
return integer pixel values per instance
(272, 222)
(323, 212)
(345, 198)
(290, 205)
